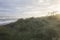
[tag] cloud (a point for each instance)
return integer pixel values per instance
(26, 8)
(7, 7)
(37, 8)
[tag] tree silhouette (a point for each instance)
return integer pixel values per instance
(52, 13)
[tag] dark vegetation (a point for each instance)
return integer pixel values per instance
(43, 28)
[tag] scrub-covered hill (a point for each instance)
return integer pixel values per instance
(43, 28)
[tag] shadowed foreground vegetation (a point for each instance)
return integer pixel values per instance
(43, 28)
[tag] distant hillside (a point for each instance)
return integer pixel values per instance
(40, 28)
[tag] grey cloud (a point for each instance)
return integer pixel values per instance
(24, 7)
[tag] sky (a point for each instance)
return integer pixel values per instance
(28, 8)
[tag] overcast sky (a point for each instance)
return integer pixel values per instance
(28, 8)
